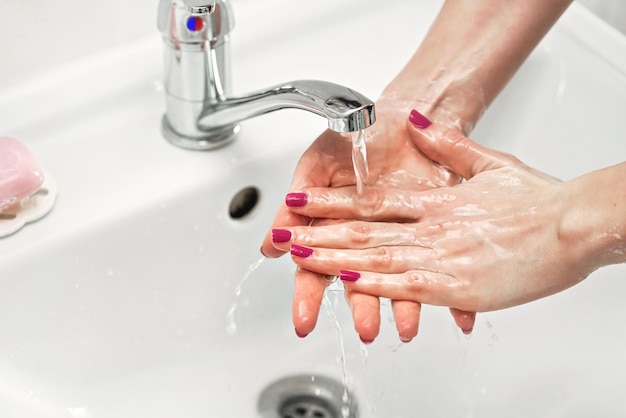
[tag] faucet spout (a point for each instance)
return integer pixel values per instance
(201, 113)
(345, 109)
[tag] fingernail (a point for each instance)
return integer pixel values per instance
(262, 253)
(406, 340)
(349, 276)
(300, 335)
(364, 341)
(302, 252)
(418, 120)
(467, 331)
(296, 199)
(280, 236)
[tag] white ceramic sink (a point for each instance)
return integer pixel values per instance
(116, 304)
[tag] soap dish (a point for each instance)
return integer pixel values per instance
(30, 209)
(26, 194)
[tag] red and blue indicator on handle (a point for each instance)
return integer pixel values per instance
(195, 23)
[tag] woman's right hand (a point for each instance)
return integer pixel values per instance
(394, 161)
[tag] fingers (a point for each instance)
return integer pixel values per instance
(397, 273)
(407, 317)
(365, 314)
(309, 290)
(452, 149)
(343, 203)
(362, 292)
(385, 259)
(464, 320)
(308, 295)
(284, 218)
(422, 286)
(377, 204)
(355, 235)
(326, 158)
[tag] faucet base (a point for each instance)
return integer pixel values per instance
(211, 140)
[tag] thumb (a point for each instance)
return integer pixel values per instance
(311, 171)
(450, 148)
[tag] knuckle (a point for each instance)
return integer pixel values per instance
(420, 284)
(413, 281)
(383, 259)
(358, 234)
(372, 204)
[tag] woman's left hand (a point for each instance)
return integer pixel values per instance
(502, 238)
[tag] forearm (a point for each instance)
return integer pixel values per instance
(471, 51)
(594, 224)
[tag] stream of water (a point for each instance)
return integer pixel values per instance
(361, 172)
(359, 161)
(231, 324)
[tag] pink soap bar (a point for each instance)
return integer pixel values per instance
(20, 173)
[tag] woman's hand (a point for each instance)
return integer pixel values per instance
(506, 236)
(470, 52)
(394, 162)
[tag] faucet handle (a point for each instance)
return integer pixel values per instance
(194, 21)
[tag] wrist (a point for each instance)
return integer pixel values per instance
(593, 224)
(448, 99)
(468, 56)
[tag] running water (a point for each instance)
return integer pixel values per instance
(231, 325)
(330, 312)
(361, 172)
(359, 162)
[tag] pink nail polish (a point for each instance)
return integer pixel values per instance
(349, 276)
(296, 199)
(302, 252)
(280, 236)
(418, 120)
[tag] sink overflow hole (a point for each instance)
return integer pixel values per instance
(244, 202)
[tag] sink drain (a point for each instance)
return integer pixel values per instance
(307, 407)
(306, 396)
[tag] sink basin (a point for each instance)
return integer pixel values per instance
(120, 302)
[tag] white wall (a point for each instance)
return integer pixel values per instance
(37, 35)
(612, 11)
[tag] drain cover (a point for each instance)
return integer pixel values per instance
(307, 407)
(306, 396)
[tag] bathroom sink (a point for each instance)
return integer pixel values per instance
(129, 298)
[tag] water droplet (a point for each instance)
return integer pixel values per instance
(231, 326)
(364, 353)
(345, 411)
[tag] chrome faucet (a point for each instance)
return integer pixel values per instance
(200, 113)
